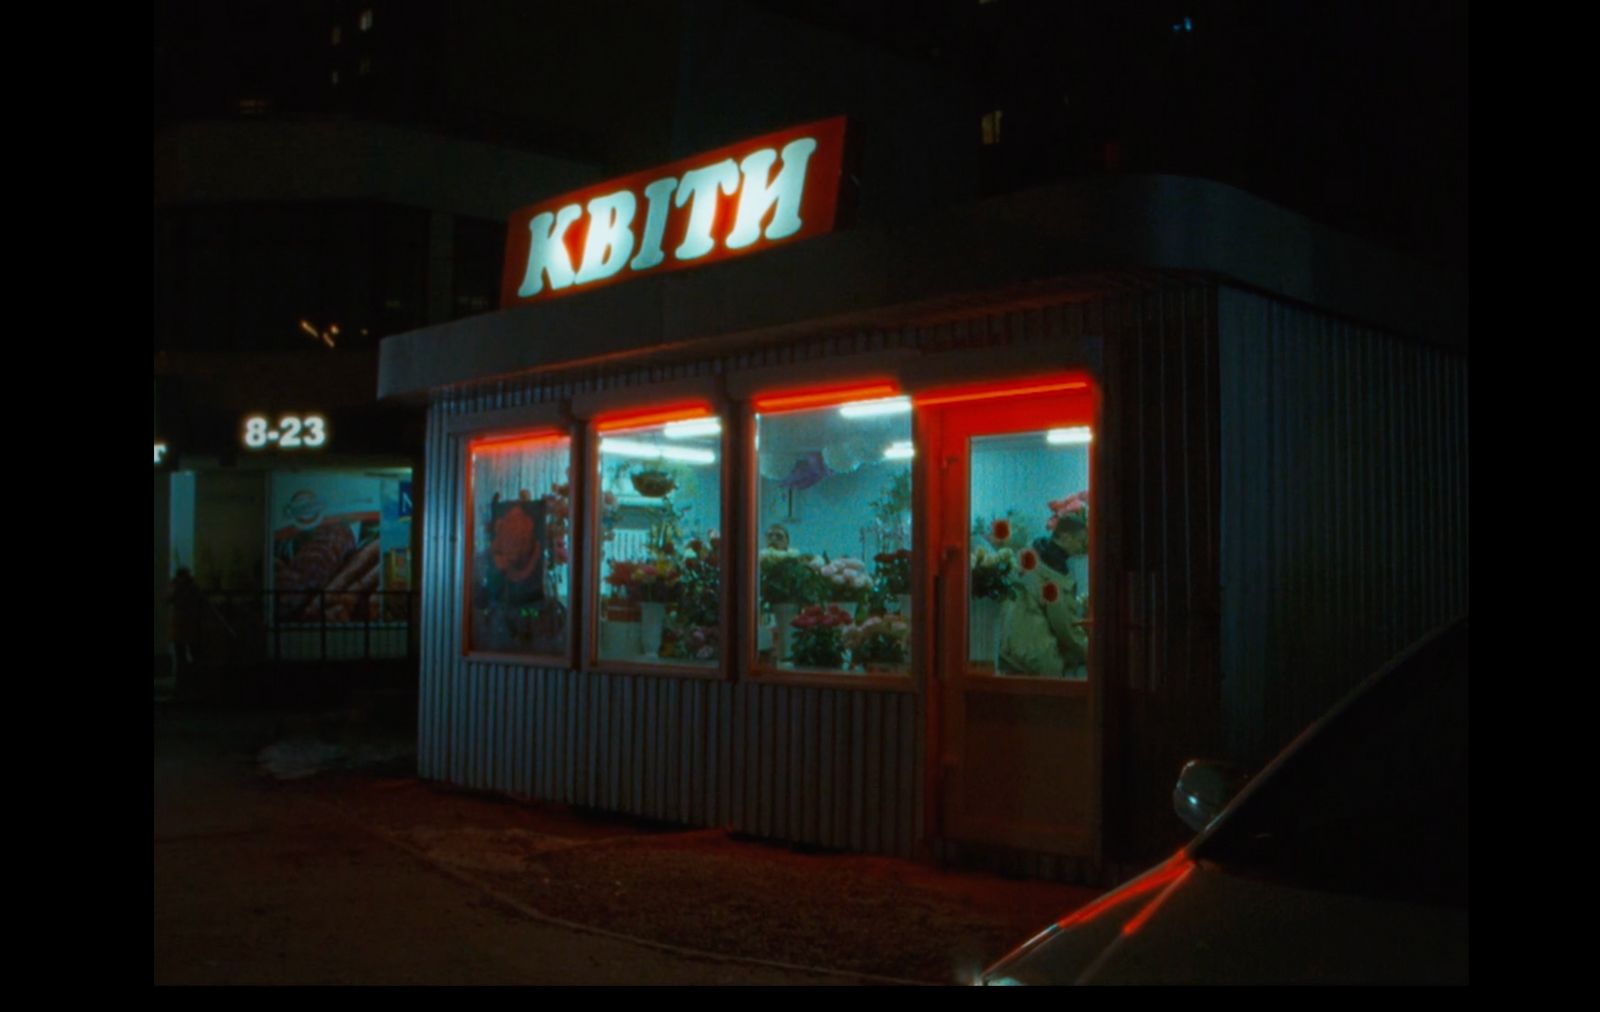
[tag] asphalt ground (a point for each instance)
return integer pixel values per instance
(302, 848)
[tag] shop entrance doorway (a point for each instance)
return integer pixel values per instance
(1015, 733)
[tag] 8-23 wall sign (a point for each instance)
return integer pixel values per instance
(291, 432)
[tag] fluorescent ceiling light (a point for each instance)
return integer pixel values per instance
(695, 427)
(1066, 437)
(629, 448)
(882, 406)
(899, 451)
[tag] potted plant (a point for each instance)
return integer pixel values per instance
(620, 614)
(879, 643)
(787, 584)
(843, 582)
(994, 582)
(695, 624)
(655, 585)
(818, 640)
(892, 578)
(653, 482)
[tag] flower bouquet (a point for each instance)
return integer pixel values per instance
(655, 580)
(1009, 531)
(788, 578)
(700, 585)
(558, 519)
(893, 572)
(994, 574)
(844, 582)
(818, 641)
(879, 643)
(1071, 513)
(693, 643)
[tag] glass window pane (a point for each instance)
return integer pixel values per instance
(660, 550)
(834, 516)
(1028, 609)
(520, 566)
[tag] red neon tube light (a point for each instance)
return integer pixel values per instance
(999, 389)
(823, 397)
(986, 391)
(642, 418)
(520, 441)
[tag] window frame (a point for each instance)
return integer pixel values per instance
(509, 425)
(606, 407)
(998, 383)
(831, 392)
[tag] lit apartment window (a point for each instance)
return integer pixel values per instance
(336, 36)
(366, 20)
(991, 127)
(336, 78)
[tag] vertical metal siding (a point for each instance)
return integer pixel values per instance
(1160, 486)
(1344, 524)
(845, 768)
(836, 768)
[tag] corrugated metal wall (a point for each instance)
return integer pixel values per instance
(830, 767)
(1159, 536)
(835, 767)
(1344, 508)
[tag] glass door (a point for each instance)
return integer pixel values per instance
(1019, 748)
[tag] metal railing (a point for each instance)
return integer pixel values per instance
(253, 627)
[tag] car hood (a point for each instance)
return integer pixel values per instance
(1188, 922)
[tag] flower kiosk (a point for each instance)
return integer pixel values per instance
(908, 541)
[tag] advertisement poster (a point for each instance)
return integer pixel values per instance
(394, 542)
(330, 533)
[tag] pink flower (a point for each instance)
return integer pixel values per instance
(1029, 560)
(1000, 532)
(1050, 592)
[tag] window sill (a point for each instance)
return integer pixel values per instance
(523, 660)
(684, 671)
(1022, 685)
(829, 680)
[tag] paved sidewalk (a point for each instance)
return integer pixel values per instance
(312, 827)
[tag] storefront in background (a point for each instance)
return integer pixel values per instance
(301, 544)
(953, 538)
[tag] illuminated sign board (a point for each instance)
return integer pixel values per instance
(740, 199)
(161, 453)
(290, 432)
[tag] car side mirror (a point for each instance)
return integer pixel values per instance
(1204, 789)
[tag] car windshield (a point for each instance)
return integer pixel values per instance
(1376, 802)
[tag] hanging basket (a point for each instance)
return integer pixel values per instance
(653, 484)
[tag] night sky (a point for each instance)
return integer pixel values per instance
(1354, 113)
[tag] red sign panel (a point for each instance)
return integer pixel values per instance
(740, 199)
